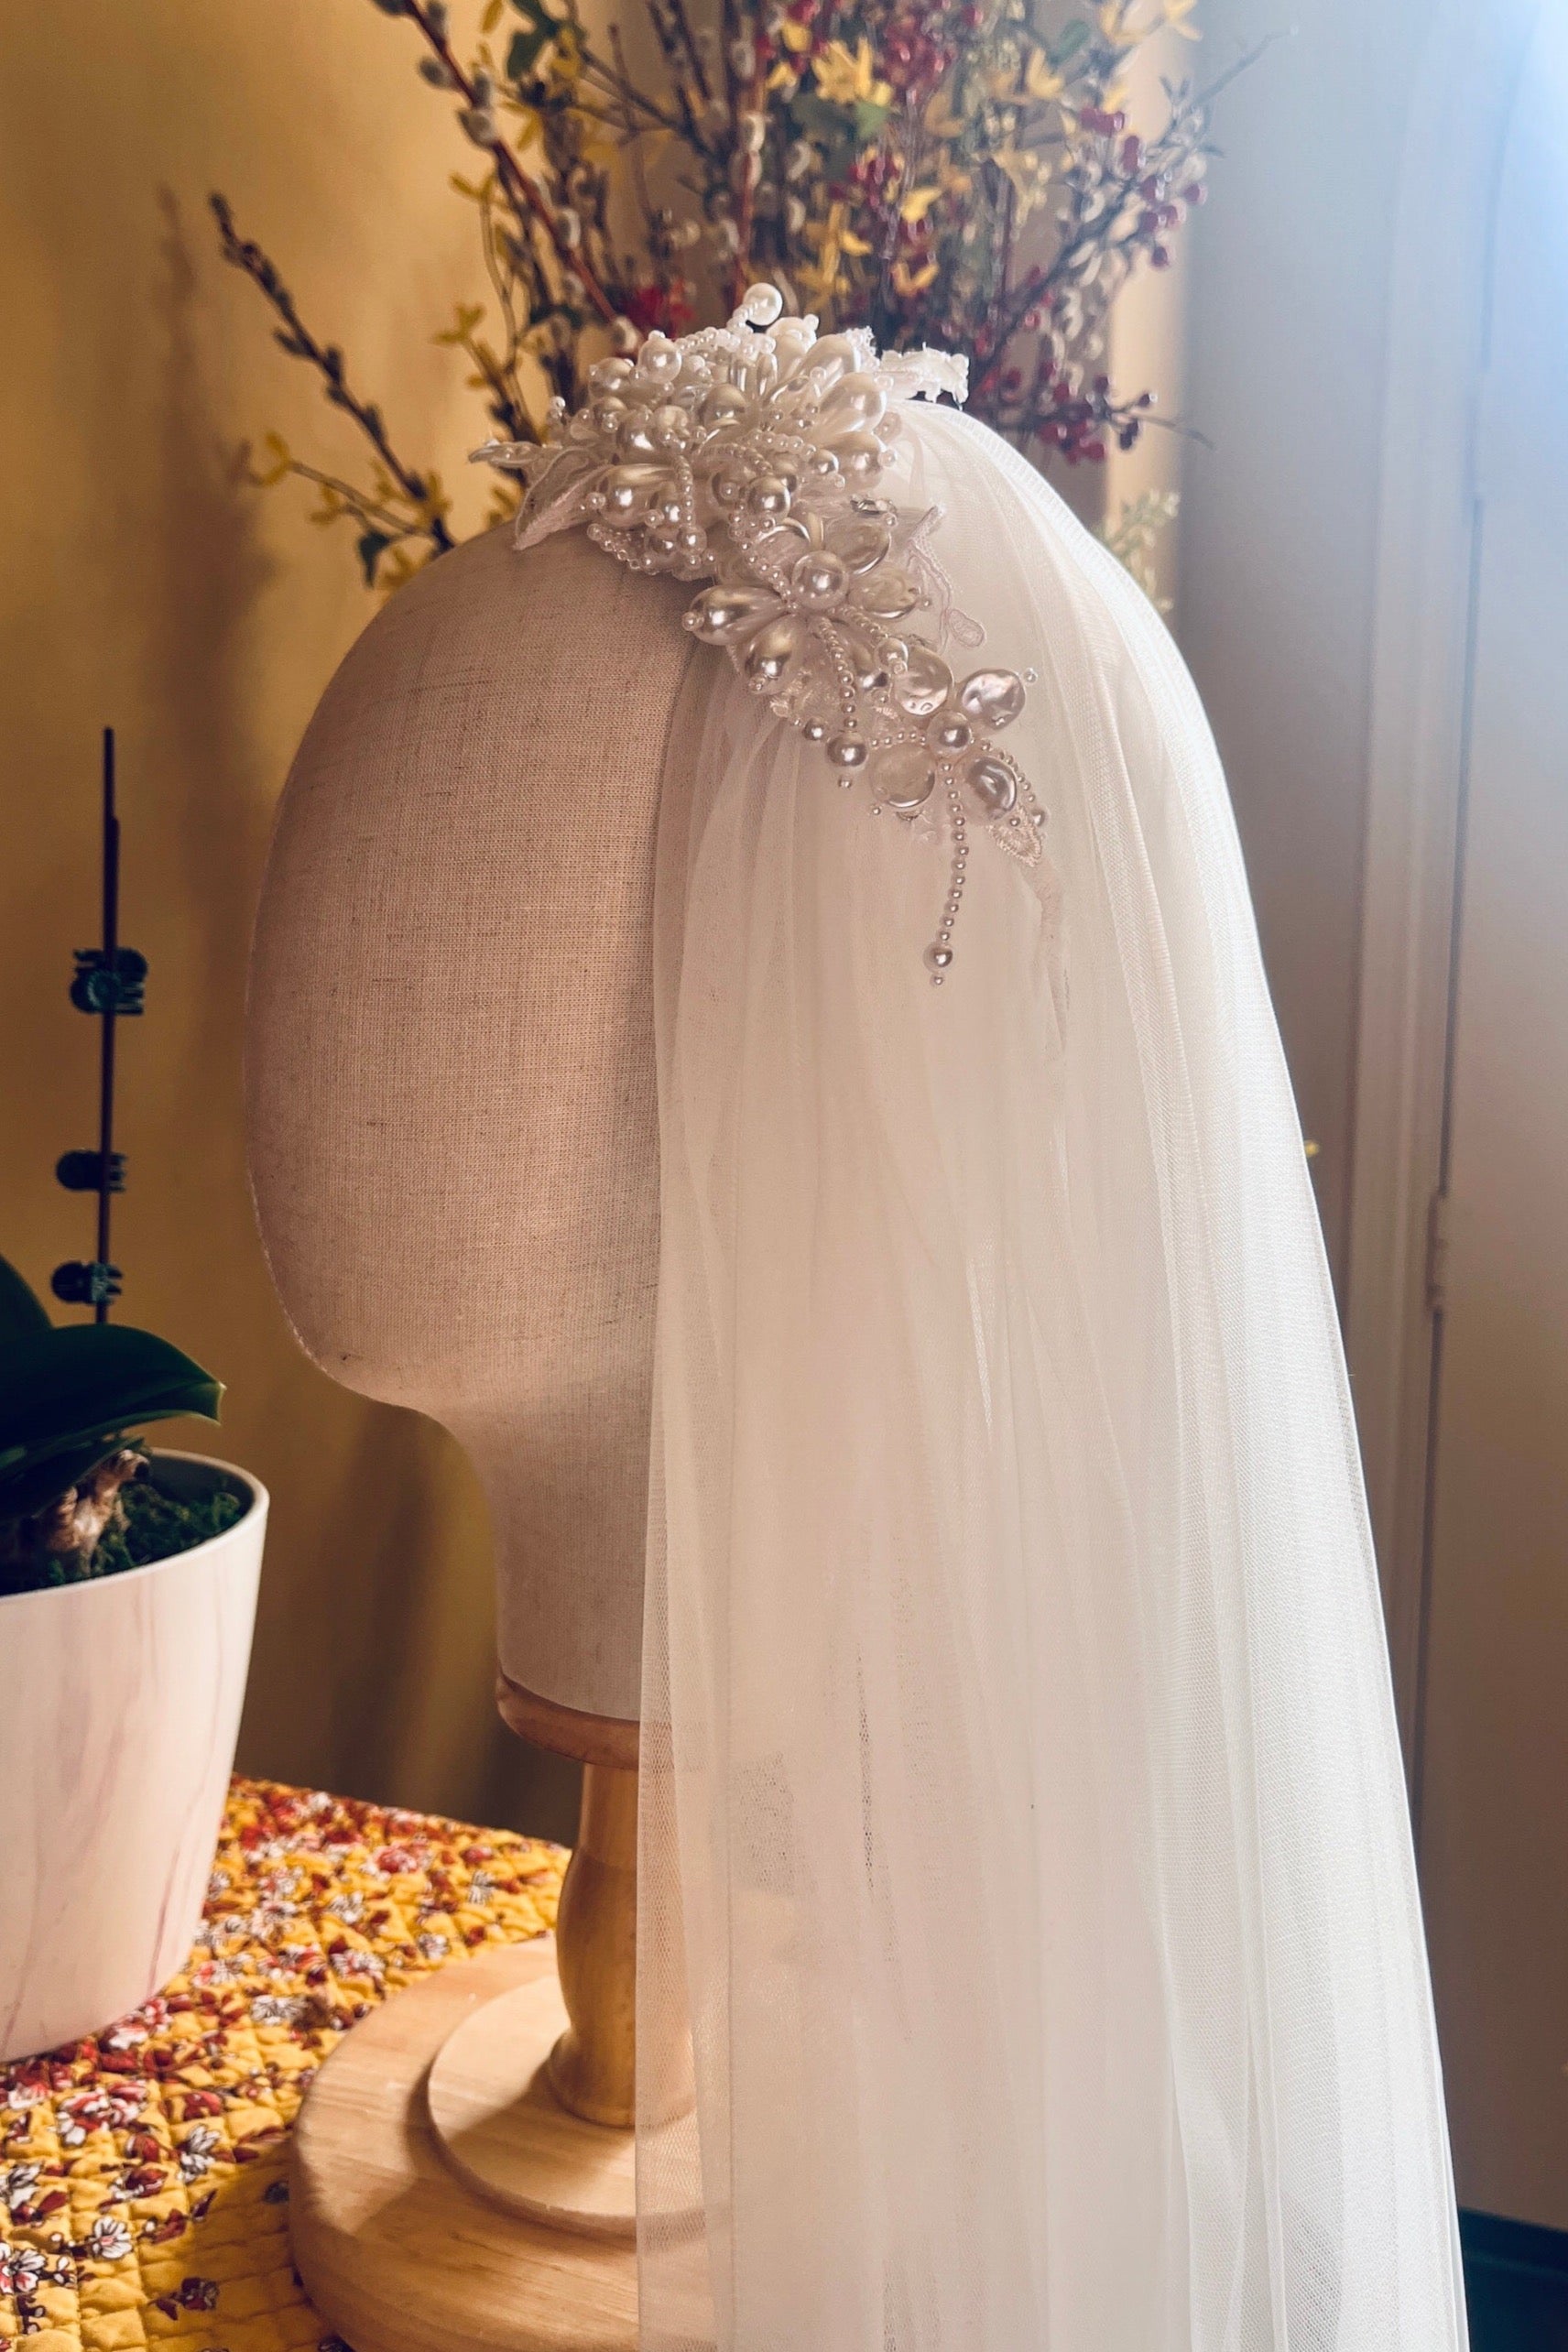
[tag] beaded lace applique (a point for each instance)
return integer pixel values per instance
(747, 456)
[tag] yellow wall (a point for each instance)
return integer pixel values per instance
(142, 586)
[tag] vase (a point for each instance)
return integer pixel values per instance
(119, 1709)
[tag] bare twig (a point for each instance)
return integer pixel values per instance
(326, 359)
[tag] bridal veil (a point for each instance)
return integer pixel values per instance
(1026, 1872)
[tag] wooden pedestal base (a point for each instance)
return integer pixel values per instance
(397, 2252)
(504, 2132)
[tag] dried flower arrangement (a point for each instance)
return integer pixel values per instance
(953, 172)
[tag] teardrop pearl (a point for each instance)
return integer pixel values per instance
(773, 648)
(629, 492)
(992, 698)
(856, 403)
(721, 614)
(924, 684)
(833, 357)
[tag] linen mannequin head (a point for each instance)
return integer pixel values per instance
(451, 1086)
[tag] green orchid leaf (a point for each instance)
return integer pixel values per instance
(80, 1391)
(22, 1313)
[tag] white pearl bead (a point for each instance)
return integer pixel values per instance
(818, 580)
(769, 495)
(659, 360)
(949, 733)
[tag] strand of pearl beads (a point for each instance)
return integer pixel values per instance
(847, 748)
(938, 955)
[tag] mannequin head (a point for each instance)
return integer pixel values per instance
(451, 1104)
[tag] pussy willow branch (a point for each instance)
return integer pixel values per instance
(521, 193)
(328, 361)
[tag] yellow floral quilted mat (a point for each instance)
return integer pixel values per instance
(144, 2191)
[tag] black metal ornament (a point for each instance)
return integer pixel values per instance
(109, 985)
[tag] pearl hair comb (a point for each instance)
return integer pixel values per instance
(748, 456)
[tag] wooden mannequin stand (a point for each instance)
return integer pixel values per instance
(485, 2114)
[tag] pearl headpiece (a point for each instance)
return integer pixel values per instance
(748, 456)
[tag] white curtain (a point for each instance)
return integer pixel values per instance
(1026, 1873)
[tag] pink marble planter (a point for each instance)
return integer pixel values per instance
(119, 1708)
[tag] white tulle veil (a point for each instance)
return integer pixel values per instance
(1026, 1877)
